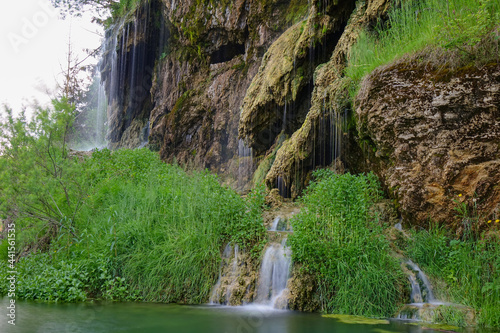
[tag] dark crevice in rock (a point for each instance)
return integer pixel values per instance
(227, 52)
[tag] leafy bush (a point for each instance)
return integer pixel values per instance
(339, 241)
(60, 279)
(41, 185)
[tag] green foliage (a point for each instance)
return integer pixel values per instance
(464, 24)
(144, 209)
(250, 232)
(40, 184)
(470, 268)
(115, 226)
(338, 239)
(51, 277)
(296, 11)
(451, 315)
(99, 8)
(143, 229)
(414, 25)
(121, 8)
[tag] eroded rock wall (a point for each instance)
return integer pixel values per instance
(130, 51)
(214, 51)
(325, 137)
(266, 78)
(434, 139)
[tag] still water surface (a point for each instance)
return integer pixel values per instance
(150, 317)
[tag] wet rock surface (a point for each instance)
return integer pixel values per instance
(324, 138)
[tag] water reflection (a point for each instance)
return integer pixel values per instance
(149, 317)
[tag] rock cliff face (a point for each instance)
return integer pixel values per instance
(326, 136)
(434, 139)
(129, 54)
(215, 50)
(254, 90)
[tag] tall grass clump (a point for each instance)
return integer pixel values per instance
(338, 239)
(414, 25)
(164, 227)
(470, 268)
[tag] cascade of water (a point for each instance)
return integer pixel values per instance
(279, 224)
(422, 298)
(145, 135)
(134, 62)
(101, 116)
(274, 226)
(416, 294)
(229, 278)
(428, 295)
(283, 189)
(284, 119)
(274, 274)
(245, 164)
(113, 66)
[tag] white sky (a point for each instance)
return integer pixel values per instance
(33, 45)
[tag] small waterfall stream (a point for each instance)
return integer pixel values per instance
(245, 164)
(126, 67)
(422, 297)
(268, 287)
(273, 277)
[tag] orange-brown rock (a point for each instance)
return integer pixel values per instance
(434, 139)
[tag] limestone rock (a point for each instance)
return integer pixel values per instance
(278, 97)
(213, 53)
(434, 138)
(313, 144)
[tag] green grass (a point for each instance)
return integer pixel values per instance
(415, 25)
(157, 229)
(339, 240)
(470, 268)
(117, 225)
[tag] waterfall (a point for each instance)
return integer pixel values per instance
(270, 291)
(245, 164)
(101, 115)
(145, 135)
(284, 119)
(228, 276)
(274, 274)
(427, 294)
(274, 226)
(130, 51)
(422, 298)
(280, 224)
(112, 72)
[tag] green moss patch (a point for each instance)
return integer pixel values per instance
(348, 319)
